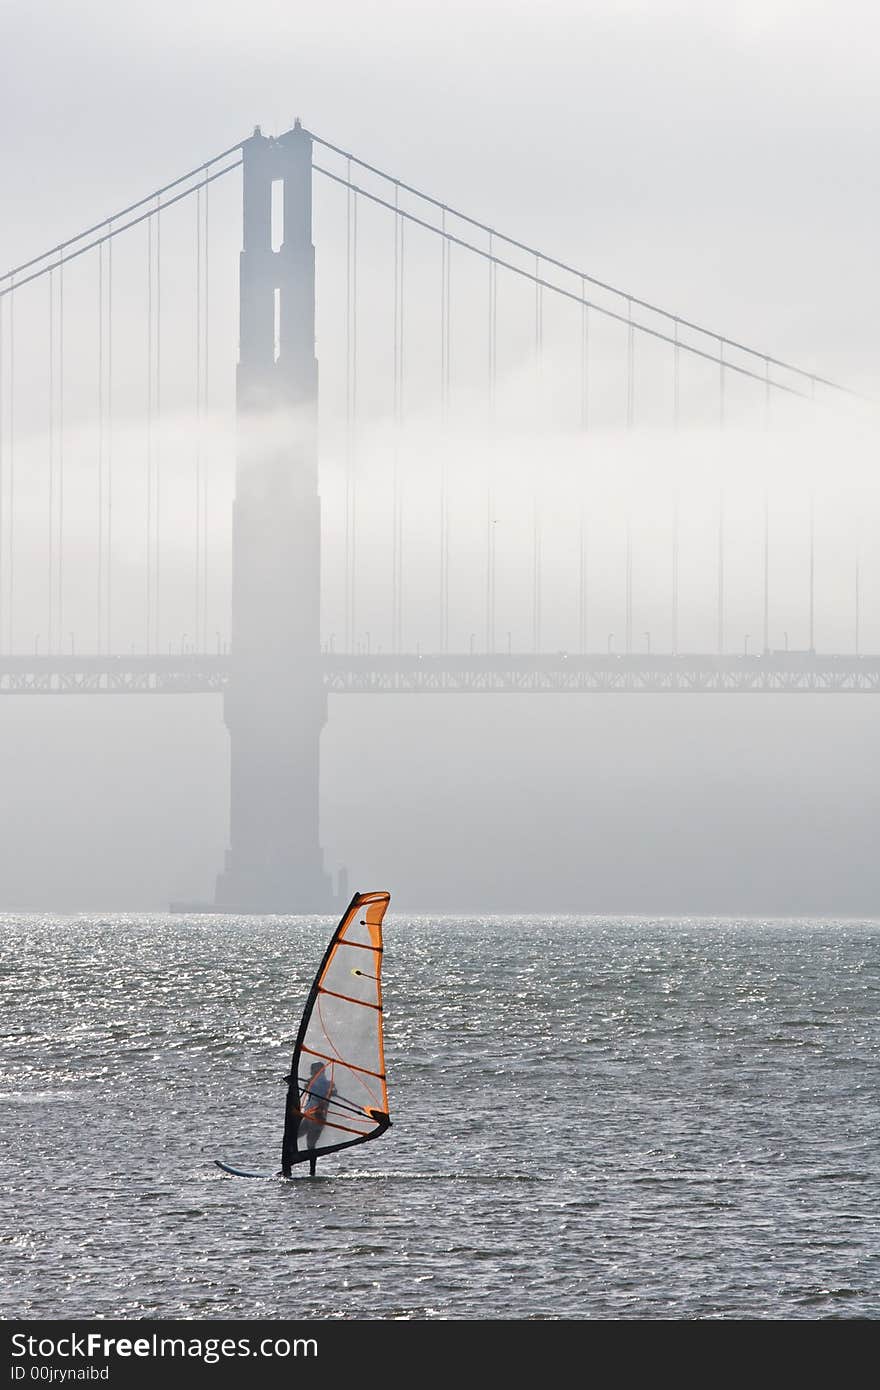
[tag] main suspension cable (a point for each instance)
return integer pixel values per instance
(115, 231)
(123, 212)
(568, 269)
(598, 308)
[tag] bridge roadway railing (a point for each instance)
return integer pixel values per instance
(189, 674)
(568, 673)
(774, 672)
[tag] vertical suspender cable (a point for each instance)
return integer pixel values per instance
(2, 511)
(100, 587)
(630, 368)
(629, 599)
(395, 446)
(353, 509)
(766, 517)
(109, 566)
(149, 431)
(675, 529)
(348, 409)
(676, 379)
(10, 595)
(766, 572)
(812, 572)
(585, 425)
(5, 513)
(539, 340)
(494, 400)
(395, 496)
(197, 598)
(60, 558)
(536, 575)
(490, 489)
(447, 392)
(857, 635)
(400, 408)
(538, 419)
(206, 404)
(539, 320)
(349, 644)
(582, 606)
(493, 330)
(51, 461)
(721, 383)
(585, 358)
(445, 251)
(157, 523)
(721, 572)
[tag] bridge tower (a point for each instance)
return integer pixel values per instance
(275, 705)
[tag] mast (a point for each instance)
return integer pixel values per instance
(341, 1037)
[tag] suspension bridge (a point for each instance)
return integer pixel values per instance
(184, 509)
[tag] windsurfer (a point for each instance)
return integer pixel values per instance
(313, 1102)
(339, 1044)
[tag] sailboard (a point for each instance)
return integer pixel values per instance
(337, 1095)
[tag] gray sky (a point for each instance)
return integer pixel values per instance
(718, 159)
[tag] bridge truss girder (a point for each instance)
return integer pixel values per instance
(774, 673)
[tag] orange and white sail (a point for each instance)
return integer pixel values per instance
(337, 1092)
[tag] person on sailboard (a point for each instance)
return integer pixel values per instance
(313, 1102)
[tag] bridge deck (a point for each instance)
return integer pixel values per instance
(462, 674)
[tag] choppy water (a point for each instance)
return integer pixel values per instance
(591, 1119)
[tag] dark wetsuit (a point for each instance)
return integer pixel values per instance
(314, 1101)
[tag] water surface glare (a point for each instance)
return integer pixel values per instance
(591, 1118)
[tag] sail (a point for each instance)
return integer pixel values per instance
(336, 1093)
